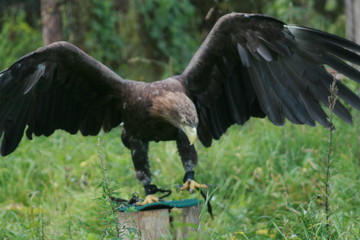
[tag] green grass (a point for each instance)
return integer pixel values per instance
(267, 183)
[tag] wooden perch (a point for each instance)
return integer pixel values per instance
(159, 224)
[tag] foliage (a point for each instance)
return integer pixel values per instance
(171, 27)
(95, 31)
(268, 183)
(302, 13)
(102, 26)
(110, 218)
(267, 180)
(16, 38)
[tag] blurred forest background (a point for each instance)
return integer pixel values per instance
(270, 179)
(162, 35)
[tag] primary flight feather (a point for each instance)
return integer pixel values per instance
(248, 66)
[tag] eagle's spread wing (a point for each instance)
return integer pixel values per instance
(254, 65)
(57, 87)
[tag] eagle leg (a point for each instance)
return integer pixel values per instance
(190, 184)
(189, 160)
(148, 199)
(150, 190)
(139, 154)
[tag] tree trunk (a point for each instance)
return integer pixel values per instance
(353, 20)
(51, 20)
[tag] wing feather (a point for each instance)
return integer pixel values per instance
(57, 87)
(269, 102)
(262, 67)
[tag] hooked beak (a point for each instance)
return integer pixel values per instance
(190, 133)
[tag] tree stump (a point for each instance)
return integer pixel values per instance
(187, 224)
(144, 225)
(163, 223)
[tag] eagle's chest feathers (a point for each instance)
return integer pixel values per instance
(156, 115)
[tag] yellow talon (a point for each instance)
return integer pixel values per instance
(148, 199)
(191, 185)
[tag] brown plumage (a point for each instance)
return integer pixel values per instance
(248, 66)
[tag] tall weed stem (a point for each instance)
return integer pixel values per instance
(332, 101)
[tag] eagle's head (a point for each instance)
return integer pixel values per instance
(177, 109)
